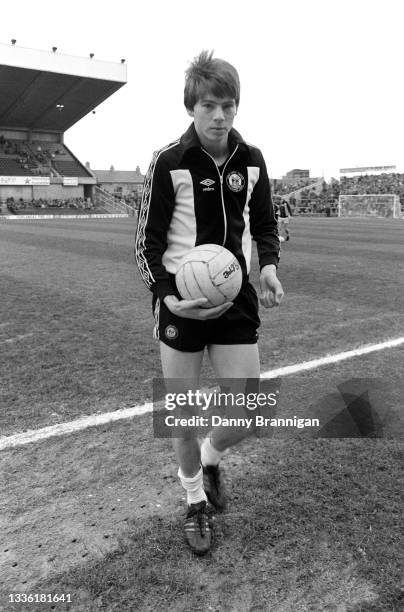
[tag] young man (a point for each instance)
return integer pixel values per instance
(209, 186)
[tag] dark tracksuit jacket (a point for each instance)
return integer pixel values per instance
(188, 201)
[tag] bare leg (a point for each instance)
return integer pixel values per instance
(181, 370)
(240, 361)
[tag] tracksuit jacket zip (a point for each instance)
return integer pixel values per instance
(181, 207)
(221, 187)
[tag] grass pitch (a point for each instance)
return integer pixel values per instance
(314, 523)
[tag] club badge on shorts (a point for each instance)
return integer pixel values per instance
(235, 181)
(171, 332)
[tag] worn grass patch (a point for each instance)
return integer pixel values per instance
(310, 527)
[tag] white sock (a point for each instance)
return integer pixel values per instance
(209, 455)
(193, 486)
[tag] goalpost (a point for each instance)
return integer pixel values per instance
(386, 205)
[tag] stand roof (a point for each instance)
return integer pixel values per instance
(33, 83)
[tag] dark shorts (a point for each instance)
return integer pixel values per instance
(238, 325)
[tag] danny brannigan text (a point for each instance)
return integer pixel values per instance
(258, 421)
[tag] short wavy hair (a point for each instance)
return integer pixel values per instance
(213, 75)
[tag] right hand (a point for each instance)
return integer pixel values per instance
(193, 309)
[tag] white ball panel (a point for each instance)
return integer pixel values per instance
(181, 283)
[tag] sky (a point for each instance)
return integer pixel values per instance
(322, 82)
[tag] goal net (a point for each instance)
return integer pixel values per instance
(369, 205)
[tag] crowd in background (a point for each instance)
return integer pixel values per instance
(284, 187)
(15, 206)
(310, 200)
(374, 184)
(313, 200)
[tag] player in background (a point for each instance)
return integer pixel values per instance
(209, 186)
(283, 213)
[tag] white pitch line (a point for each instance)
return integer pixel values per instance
(36, 435)
(321, 361)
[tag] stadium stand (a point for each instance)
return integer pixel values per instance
(307, 195)
(9, 167)
(374, 184)
(38, 158)
(323, 202)
(69, 168)
(315, 199)
(41, 96)
(321, 198)
(280, 187)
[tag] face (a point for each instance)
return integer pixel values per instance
(213, 118)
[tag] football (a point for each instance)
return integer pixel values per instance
(209, 271)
